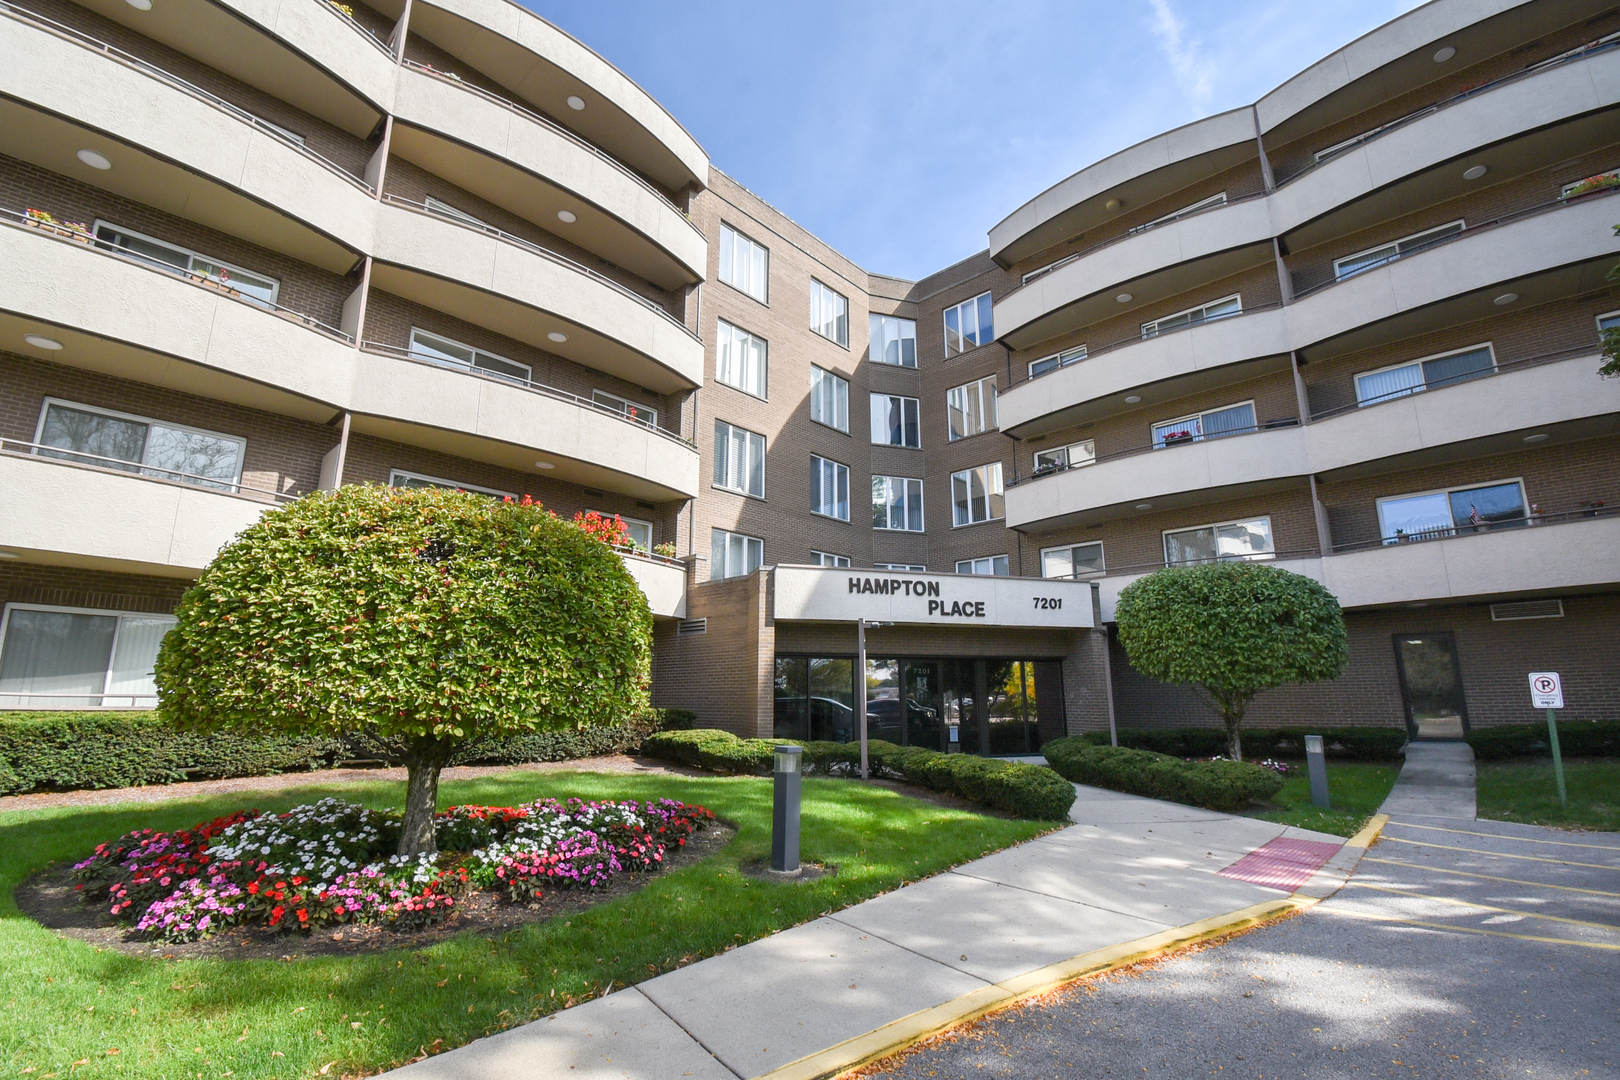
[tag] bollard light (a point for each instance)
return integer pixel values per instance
(1316, 763)
(785, 812)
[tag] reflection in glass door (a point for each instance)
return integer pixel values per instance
(1431, 685)
(923, 727)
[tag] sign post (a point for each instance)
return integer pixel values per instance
(1547, 692)
(860, 690)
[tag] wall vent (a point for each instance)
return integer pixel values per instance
(693, 626)
(1527, 609)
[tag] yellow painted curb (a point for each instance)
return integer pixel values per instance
(907, 1030)
(1369, 832)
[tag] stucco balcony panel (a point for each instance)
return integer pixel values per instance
(664, 584)
(320, 33)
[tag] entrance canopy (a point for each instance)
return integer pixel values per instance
(842, 594)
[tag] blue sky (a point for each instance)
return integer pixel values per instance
(900, 131)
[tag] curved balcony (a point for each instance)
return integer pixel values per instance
(522, 291)
(663, 580)
(173, 146)
(515, 158)
(545, 67)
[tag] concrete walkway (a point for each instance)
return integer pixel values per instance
(1436, 781)
(1130, 874)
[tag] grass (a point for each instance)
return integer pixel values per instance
(69, 1009)
(1526, 791)
(1356, 789)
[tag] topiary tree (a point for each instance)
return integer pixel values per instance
(423, 616)
(1231, 629)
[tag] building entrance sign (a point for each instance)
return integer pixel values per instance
(838, 594)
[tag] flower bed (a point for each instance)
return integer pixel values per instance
(332, 862)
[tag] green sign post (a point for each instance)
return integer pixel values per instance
(1547, 692)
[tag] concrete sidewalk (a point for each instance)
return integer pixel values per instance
(1436, 781)
(1132, 876)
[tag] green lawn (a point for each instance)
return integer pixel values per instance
(1527, 791)
(1355, 788)
(68, 1006)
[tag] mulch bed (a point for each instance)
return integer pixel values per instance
(48, 898)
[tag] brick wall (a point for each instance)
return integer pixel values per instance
(70, 586)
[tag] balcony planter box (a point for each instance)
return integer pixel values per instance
(1178, 437)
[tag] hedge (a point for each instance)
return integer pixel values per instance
(1591, 738)
(1027, 791)
(1358, 744)
(1218, 785)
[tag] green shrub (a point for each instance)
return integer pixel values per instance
(1218, 785)
(1357, 744)
(674, 719)
(1589, 738)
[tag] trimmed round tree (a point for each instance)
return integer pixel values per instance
(1231, 629)
(422, 616)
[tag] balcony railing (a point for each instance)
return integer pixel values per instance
(57, 455)
(544, 253)
(347, 14)
(69, 234)
(649, 556)
(1528, 521)
(1139, 337)
(1441, 384)
(1166, 443)
(529, 385)
(236, 112)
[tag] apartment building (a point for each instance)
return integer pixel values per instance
(1352, 329)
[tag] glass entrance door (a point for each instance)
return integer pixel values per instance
(1431, 685)
(923, 720)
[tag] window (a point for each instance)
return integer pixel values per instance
(895, 421)
(1185, 211)
(894, 341)
(1215, 309)
(1042, 271)
(1232, 420)
(1433, 515)
(1351, 265)
(976, 495)
(822, 558)
(968, 325)
(829, 313)
(1072, 560)
(829, 488)
(897, 504)
(439, 207)
(110, 439)
(641, 532)
(442, 350)
(1431, 373)
(78, 658)
(990, 566)
(1065, 457)
(401, 479)
(739, 460)
(734, 555)
(1249, 539)
(744, 264)
(1608, 322)
(829, 399)
(1055, 361)
(172, 257)
(740, 359)
(626, 408)
(971, 408)
(914, 568)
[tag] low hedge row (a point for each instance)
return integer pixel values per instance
(1359, 744)
(1027, 791)
(1589, 738)
(1218, 785)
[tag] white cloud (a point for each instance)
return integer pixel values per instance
(1193, 70)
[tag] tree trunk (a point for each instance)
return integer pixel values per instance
(423, 761)
(1234, 738)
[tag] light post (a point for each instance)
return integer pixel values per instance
(785, 811)
(860, 690)
(1316, 763)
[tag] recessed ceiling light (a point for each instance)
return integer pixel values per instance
(1132, 399)
(8, 554)
(1505, 298)
(1144, 506)
(576, 102)
(1540, 436)
(40, 342)
(558, 336)
(567, 217)
(140, 5)
(1446, 53)
(1124, 298)
(1112, 204)
(1474, 172)
(544, 465)
(94, 160)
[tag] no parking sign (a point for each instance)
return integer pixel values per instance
(1546, 690)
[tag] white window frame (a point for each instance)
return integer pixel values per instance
(987, 408)
(1524, 501)
(1394, 246)
(1042, 271)
(878, 336)
(740, 338)
(158, 472)
(1000, 489)
(1418, 363)
(275, 283)
(112, 652)
(439, 206)
(626, 408)
(945, 324)
(822, 384)
(1159, 442)
(396, 475)
(821, 296)
(820, 474)
(1258, 556)
(888, 502)
(737, 472)
(629, 521)
(1074, 456)
(900, 567)
(971, 565)
(1608, 315)
(472, 367)
(729, 242)
(1151, 329)
(827, 558)
(1070, 548)
(1047, 364)
(750, 544)
(911, 403)
(1218, 199)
